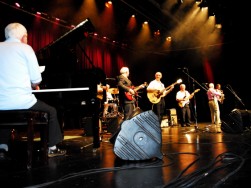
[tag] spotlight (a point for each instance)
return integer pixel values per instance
(18, 5)
(218, 26)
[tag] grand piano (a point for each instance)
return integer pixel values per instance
(71, 90)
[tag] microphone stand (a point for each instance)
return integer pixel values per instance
(195, 108)
(236, 96)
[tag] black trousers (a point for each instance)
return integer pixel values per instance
(185, 114)
(159, 109)
(128, 110)
(55, 132)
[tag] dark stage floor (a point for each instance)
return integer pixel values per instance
(205, 157)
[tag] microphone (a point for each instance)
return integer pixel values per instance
(204, 83)
(183, 68)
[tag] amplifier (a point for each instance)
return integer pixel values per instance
(113, 124)
(87, 126)
(172, 116)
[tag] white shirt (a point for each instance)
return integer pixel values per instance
(157, 85)
(180, 95)
(18, 69)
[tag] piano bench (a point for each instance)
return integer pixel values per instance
(30, 120)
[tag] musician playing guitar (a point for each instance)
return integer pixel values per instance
(220, 99)
(156, 92)
(183, 98)
(126, 89)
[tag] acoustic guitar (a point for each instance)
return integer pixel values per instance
(130, 96)
(155, 96)
(186, 99)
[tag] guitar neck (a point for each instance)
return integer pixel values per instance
(191, 95)
(168, 87)
(137, 88)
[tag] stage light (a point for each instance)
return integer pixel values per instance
(18, 5)
(218, 26)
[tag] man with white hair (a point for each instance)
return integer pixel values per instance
(19, 75)
(157, 85)
(212, 95)
(125, 86)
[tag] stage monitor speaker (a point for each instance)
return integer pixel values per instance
(236, 121)
(135, 112)
(140, 138)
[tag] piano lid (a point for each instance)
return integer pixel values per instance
(61, 62)
(68, 39)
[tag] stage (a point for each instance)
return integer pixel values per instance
(195, 156)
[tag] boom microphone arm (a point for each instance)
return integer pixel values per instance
(236, 96)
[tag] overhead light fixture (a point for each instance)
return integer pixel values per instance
(18, 5)
(218, 26)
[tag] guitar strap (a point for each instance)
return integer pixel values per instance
(187, 101)
(129, 83)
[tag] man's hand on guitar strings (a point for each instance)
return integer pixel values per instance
(132, 91)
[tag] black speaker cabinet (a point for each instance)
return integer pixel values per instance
(237, 121)
(113, 124)
(139, 138)
(87, 126)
